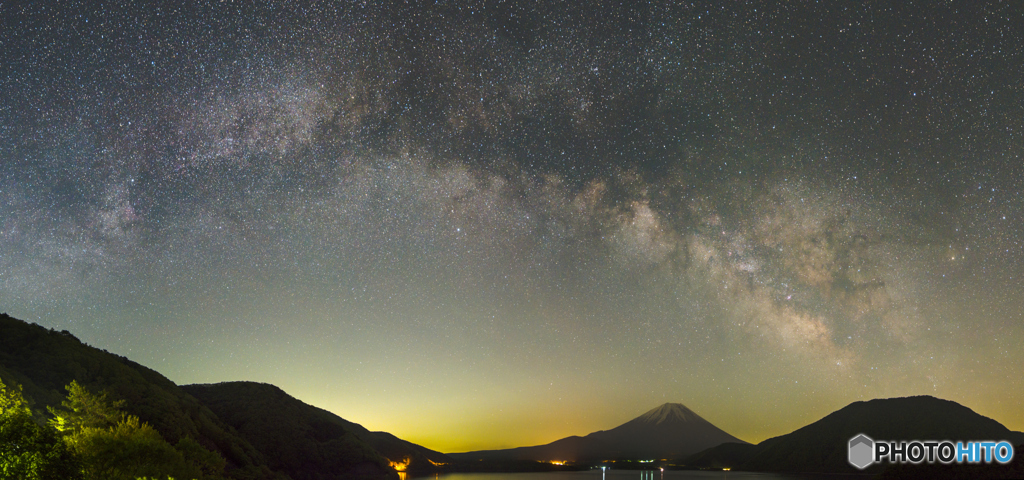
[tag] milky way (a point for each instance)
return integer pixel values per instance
(480, 225)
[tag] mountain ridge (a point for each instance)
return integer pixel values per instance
(821, 446)
(237, 403)
(224, 418)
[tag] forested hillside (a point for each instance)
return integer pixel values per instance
(40, 364)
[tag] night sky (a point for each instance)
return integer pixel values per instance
(486, 224)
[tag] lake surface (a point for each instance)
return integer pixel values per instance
(644, 475)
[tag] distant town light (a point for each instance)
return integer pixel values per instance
(402, 465)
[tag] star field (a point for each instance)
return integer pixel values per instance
(493, 224)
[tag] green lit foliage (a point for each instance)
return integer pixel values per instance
(84, 410)
(114, 445)
(29, 451)
(11, 399)
(128, 450)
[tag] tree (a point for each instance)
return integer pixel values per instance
(29, 451)
(128, 450)
(85, 410)
(92, 439)
(114, 445)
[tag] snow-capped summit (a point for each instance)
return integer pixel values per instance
(669, 412)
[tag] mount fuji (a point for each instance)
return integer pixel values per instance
(670, 431)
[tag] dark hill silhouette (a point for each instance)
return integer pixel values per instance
(669, 431)
(732, 455)
(302, 434)
(822, 445)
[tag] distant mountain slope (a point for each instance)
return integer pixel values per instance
(669, 431)
(44, 361)
(822, 445)
(303, 441)
(419, 458)
(274, 421)
(732, 455)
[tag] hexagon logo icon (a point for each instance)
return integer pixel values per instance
(861, 451)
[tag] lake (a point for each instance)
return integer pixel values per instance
(644, 475)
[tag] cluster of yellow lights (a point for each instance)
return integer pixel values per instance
(437, 464)
(400, 466)
(557, 462)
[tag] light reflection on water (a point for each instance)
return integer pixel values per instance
(642, 475)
